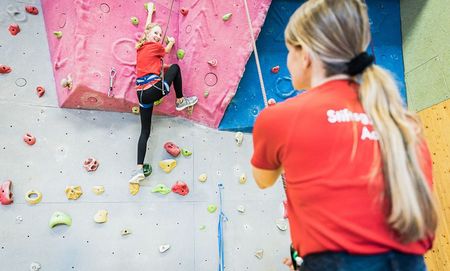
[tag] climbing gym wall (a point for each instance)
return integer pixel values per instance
(426, 50)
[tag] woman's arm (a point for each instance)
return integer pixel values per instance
(265, 178)
(150, 10)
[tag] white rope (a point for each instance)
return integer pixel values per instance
(258, 66)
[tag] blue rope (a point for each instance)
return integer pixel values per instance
(222, 218)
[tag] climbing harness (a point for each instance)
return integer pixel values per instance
(112, 76)
(145, 80)
(222, 218)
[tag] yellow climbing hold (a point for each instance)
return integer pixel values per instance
(73, 192)
(134, 188)
(135, 110)
(168, 165)
(227, 16)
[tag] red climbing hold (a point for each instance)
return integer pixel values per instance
(29, 139)
(91, 164)
(184, 11)
(275, 69)
(172, 149)
(5, 69)
(6, 196)
(40, 91)
(285, 209)
(180, 188)
(14, 29)
(32, 10)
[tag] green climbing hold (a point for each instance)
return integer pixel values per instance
(212, 208)
(58, 34)
(147, 170)
(162, 189)
(227, 16)
(180, 53)
(158, 102)
(134, 20)
(185, 152)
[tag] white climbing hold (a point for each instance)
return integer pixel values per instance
(203, 177)
(259, 254)
(19, 219)
(206, 93)
(243, 178)
(34, 266)
(98, 189)
(125, 232)
(101, 216)
(239, 137)
(164, 248)
(202, 227)
(241, 209)
(282, 224)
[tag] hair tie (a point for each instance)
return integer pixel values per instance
(359, 63)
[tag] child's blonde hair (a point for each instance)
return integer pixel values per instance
(143, 38)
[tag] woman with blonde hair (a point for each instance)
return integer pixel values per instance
(357, 168)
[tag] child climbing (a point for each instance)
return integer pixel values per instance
(153, 83)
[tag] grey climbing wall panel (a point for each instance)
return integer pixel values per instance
(65, 138)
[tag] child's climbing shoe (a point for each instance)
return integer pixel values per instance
(137, 175)
(187, 101)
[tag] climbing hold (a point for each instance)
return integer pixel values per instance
(239, 137)
(241, 209)
(185, 152)
(227, 16)
(275, 69)
(67, 82)
(14, 29)
(59, 218)
(202, 227)
(29, 139)
(184, 11)
(40, 91)
(180, 53)
(285, 209)
(5, 69)
(73, 192)
(125, 232)
(180, 188)
(146, 6)
(134, 188)
(33, 197)
(164, 248)
(206, 93)
(98, 189)
(91, 164)
(19, 219)
(34, 266)
(134, 20)
(135, 110)
(32, 10)
(158, 102)
(282, 224)
(6, 196)
(172, 149)
(162, 189)
(147, 170)
(203, 177)
(101, 216)
(212, 208)
(259, 254)
(243, 178)
(58, 34)
(168, 165)
(271, 102)
(212, 62)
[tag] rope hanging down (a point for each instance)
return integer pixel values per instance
(222, 218)
(258, 66)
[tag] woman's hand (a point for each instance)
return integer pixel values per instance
(150, 7)
(288, 263)
(171, 40)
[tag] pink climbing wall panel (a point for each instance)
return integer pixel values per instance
(97, 35)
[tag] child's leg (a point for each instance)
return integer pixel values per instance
(173, 75)
(146, 123)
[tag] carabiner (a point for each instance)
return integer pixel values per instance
(112, 76)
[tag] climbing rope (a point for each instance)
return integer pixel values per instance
(222, 218)
(258, 66)
(162, 42)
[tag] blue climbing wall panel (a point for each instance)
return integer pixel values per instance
(248, 102)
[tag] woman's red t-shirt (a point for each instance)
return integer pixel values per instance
(328, 149)
(149, 58)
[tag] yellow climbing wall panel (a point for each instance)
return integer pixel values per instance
(436, 120)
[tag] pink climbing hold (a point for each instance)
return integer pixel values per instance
(275, 69)
(5, 69)
(6, 196)
(40, 91)
(32, 10)
(91, 164)
(271, 102)
(14, 29)
(172, 149)
(29, 139)
(180, 188)
(184, 11)
(285, 211)
(212, 62)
